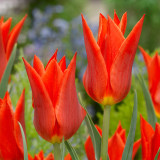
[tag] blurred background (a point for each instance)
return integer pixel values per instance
(53, 24)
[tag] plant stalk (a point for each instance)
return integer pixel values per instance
(57, 151)
(105, 132)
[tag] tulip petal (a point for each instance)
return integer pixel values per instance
(53, 57)
(44, 115)
(113, 41)
(152, 73)
(146, 135)
(68, 157)
(13, 36)
(116, 19)
(19, 117)
(120, 75)
(5, 31)
(95, 78)
(136, 145)
(69, 113)
(102, 30)
(123, 23)
(146, 56)
(155, 144)
(51, 157)
(115, 142)
(38, 66)
(3, 59)
(89, 149)
(52, 79)
(8, 146)
(62, 63)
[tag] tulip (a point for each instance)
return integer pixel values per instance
(116, 145)
(107, 79)
(11, 143)
(153, 69)
(7, 41)
(150, 140)
(57, 112)
(40, 156)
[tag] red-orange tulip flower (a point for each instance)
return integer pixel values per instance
(116, 145)
(40, 156)
(153, 69)
(11, 144)
(57, 112)
(7, 41)
(107, 79)
(150, 140)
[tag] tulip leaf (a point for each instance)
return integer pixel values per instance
(71, 150)
(5, 78)
(157, 154)
(63, 149)
(127, 153)
(24, 143)
(95, 136)
(152, 119)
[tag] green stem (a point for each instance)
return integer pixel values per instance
(57, 151)
(105, 132)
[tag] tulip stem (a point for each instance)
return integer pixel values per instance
(105, 132)
(57, 151)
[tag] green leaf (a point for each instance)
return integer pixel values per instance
(24, 143)
(152, 119)
(95, 136)
(157, 154)
(5, 78)
(63, 149)
(127, 153)
(71, 151)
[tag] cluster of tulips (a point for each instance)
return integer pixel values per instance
(57, 111)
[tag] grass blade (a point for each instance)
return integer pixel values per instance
(152, 119)
(127, 153)
(24, 143)
(5, 78)
(95, 136)
(157, 154)
(71, 150)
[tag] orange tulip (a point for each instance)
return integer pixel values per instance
(116, 145)
(57, 112)
(150, 140)
(7, 41)
(40, 156)
(11, 144)
(107, 79)
(153, 68)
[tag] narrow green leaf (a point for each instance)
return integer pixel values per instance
(63, 149)
(95, 136)
(5, 78)
(71, 150)
(24, 143)
(157, 154)
(127, 153)
(152, 119)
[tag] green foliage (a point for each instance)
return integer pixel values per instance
(127, 152)
(135, 9)
(72, 8)
(24, 143)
